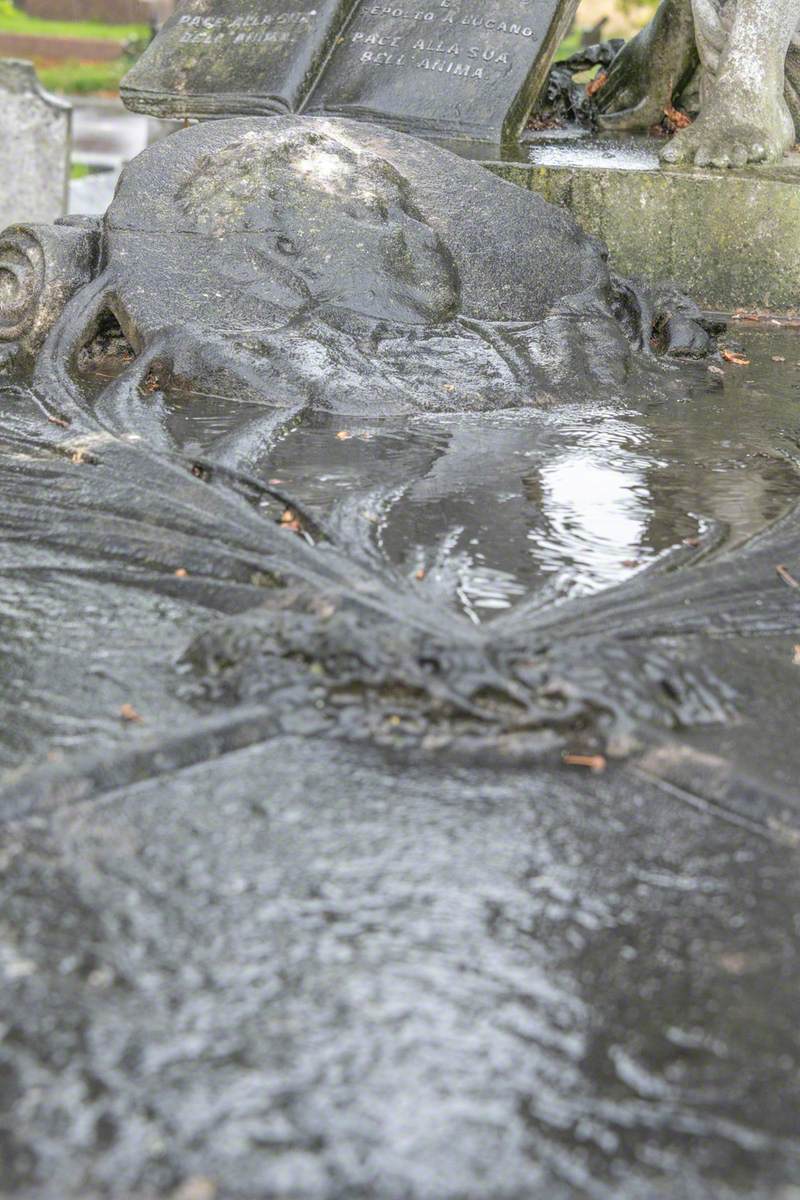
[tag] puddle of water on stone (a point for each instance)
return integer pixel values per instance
(570, 148)
(561, 502)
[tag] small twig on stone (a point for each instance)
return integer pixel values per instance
(738, 360)
(785, 575)
(594, 762)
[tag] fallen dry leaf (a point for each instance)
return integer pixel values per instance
(181, 572)
(343, 435)
(129, 713)
(420, 574)
(692, 541)
(786, 576)
(676, 118)
(197, 1187)
(599, 81)
(738, 360)
(796, 656)
(594, 762)
(290, 521)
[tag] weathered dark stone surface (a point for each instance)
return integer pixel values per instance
(304, 261)
(296, 896)
(447, 70)
(451, 69)
(339, 960)
(223, 57)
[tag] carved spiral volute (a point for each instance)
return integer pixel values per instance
(22, 277)
(41, 268)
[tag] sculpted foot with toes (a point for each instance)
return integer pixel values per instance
(735, 54)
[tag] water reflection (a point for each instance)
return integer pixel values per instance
(567, 148)
(564, 502)
(545, 504)
(597, 508)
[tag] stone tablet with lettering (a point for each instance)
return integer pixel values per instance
(34, 147)
(228, 57)
(449, 68)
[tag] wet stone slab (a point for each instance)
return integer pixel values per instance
(444, 69)
(398, 755)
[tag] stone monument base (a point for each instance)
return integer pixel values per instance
(730, 239)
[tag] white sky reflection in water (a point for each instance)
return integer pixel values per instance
(596, 507)
(486, 588)
(582, 496)
(490, 510)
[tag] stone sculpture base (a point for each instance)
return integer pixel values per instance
(730, 239)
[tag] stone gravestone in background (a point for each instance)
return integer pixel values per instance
(447, 68)
(34, 147)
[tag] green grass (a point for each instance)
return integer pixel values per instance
(83, 79)
(78, 171)
(570, 45)
(19, 22)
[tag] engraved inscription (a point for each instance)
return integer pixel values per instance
(246, 29)
(462, 68)
(441, 39)
(220, 57)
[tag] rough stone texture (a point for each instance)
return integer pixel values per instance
(729, 239)
(445, 70)
(325, 263)
(331, 919)
(34, 147)
(301, 972)
(41, 268)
